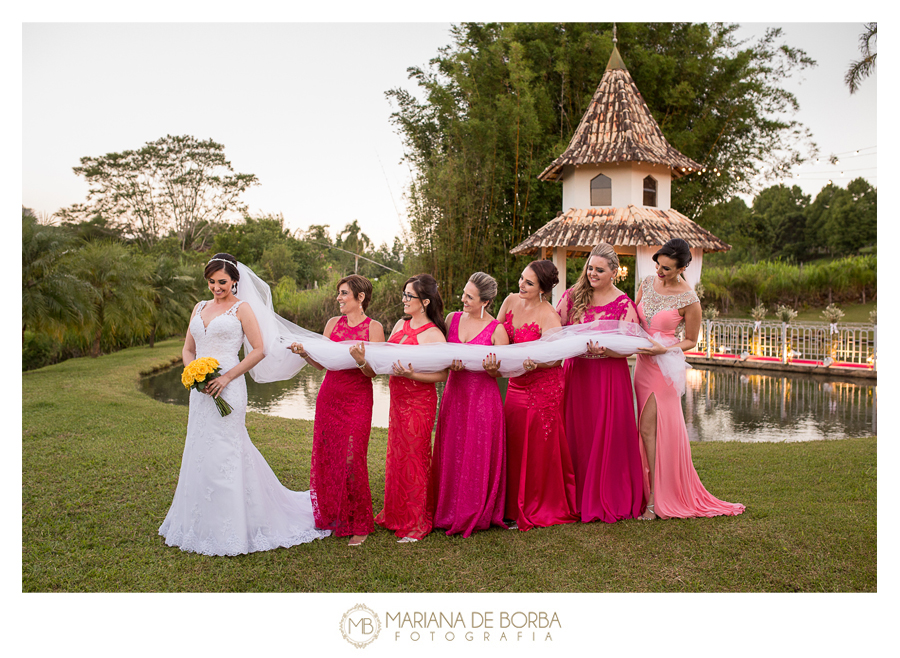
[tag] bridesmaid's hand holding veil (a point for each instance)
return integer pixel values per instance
(491, 365)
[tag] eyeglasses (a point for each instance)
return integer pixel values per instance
(405, 296)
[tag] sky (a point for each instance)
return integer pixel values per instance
(302, 106)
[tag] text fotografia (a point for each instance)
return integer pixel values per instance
(479, 626)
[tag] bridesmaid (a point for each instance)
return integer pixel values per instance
(664, 303)
(468, 469)
(412, 411)
(339, 477)
(599, 402)
(540, 481)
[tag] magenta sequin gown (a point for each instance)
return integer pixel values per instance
(339, 476)
(677, 490)
(540, 482)
(468, 468)
(601, 427)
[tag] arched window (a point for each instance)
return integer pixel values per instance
(601, 191)
(650, 191)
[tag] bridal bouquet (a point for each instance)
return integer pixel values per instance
(199, 373)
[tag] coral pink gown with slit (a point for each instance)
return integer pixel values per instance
(408, 462)
(468, 469)
(601, 427)
(677, 490)
(339, 476)
(540, 482)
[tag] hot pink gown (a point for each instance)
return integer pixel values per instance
(408, 462)
(339, 476)
(540, 482)
(601, 427)
(468, 468)
(677, 490)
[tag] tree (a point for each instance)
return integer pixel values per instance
(121, 295)
(177, 183)
(865, 66)
(51, 296)
(352, 239)
(173, 296)
(502, 101)
(778, 217)
(843, 221)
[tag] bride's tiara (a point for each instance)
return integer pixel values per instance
(230, 262)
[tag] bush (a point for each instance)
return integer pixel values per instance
(38, 350)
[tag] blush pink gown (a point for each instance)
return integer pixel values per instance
(339, 475)
(468, 468)
(601, 427)
(540, 482)
(408, 462)
(677, 491)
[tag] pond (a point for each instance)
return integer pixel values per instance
(720, 404)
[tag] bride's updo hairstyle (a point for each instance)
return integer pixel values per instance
(546, 273)
(427, 288)
(487, 287)
(676, 249)
(225, 262)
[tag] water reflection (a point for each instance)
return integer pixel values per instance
(720, 404)
(729, 404)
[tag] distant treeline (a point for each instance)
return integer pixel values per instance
(90, 288)
(848, 280)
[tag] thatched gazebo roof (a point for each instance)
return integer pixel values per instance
(580, 229)
(618, 127)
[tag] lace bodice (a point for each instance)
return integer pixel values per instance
(653, 303)
(617, 309)
(221, 339)
(526, 333)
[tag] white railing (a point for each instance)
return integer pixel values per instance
(844, 342)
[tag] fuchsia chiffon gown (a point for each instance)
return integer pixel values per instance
(600, 426)
(468, 469)
(540, 482)
(677, 490)
(408, 463)
(339, 476)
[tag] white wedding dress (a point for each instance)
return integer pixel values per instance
(228, 501)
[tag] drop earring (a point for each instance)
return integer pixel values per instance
(482, 312)
(234, 288)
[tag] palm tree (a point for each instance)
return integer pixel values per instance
(51, 297)
(121, 295)
(173, 294)
(863, 68)
(356, 241)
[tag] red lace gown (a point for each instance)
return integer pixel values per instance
(408, 463)
(677, 489)
(339, 476)
(540, 481)
(468, 470)
(601, 427)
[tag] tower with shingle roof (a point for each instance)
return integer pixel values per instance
(617, 177)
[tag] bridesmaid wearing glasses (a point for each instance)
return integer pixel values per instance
(412, 411)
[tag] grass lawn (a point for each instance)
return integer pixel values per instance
(100, 461)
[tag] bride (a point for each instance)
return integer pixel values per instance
(228, 501)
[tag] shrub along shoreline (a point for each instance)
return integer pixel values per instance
(100, 461)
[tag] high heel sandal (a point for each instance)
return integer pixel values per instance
(407, 540)
(649, 510)
(357, 540)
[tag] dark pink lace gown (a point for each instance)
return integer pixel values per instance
(468, 468)
(540, 481)
(339, 477)
(601, 427)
